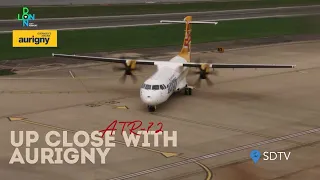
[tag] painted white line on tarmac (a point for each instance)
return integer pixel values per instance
(71, 74)
(97, 27)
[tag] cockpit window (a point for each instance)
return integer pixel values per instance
(155, 87)
(147, 86)
(162, 87)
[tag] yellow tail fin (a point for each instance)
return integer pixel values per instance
(186, 46)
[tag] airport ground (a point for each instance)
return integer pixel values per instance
(243, 107)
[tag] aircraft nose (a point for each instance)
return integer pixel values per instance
(149, 99)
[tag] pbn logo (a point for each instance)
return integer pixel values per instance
(269, 156)
(25, 17)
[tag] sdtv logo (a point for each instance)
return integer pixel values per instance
(269, 156)
(25, 17)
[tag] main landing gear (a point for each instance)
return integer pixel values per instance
(188, 91)
(151, 108)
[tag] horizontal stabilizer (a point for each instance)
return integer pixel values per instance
(190, 22)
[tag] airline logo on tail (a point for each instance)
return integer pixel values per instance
(186, 49)
(186, 46)
(187, 38)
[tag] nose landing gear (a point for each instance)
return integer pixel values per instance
(188, 90)
(151, 108)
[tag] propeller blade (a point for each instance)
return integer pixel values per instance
(197, 84)
(215, 72)
(209, 82)
(117, 68)
(134, 78)
(123, 78)
(138, 68)
(194, 72)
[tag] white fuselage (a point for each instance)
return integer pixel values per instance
(169, 78)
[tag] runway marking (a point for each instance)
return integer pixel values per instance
(153, 24)
(166, 14)
(101, 103)
(206, 169)
(71, 74)
(25, 120)
(216, 154)
(30, 68)
(16, 118)
(121, 107)
(81, 82)
(15, 67)
(203, 166)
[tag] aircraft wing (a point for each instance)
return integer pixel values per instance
(104, 59)
(222, 65)
(150, 62)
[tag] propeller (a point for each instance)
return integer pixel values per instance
(128, 68)
(203, 72)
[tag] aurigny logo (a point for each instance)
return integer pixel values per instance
(172, 85)
(34, 40)
(25, 17)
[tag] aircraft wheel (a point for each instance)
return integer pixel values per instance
(151, 108)
(187, 91)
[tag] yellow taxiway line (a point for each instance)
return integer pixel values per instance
(204, 167)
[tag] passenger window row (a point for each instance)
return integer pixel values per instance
(153, 87)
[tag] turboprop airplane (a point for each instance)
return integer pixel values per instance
(170, 76)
